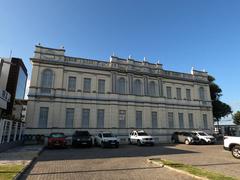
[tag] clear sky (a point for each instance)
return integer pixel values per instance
(180, 34)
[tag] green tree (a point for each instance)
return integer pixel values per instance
(236, 118)
(220, 109)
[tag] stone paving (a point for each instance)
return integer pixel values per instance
(20, 155)
(129, 162)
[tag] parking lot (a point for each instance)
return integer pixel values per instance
(129, 162)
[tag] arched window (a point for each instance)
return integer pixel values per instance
(152, 88)
(121, 89)
(137, 87)
(201, 94)
(46, 81)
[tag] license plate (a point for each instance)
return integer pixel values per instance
(84, 143)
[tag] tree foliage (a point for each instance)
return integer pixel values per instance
(236, 118)
(220, 109)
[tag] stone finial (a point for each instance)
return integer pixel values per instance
(130, 57)
(39, 44)
(192, 69)
(62, 47)
(144, 59)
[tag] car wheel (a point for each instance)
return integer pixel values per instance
(129, 141)
(202, 141)
(186, 142)
(139, 143)
(102, 145)
(174, 141)
(236, 152)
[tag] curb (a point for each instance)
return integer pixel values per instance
(30, 164)
(173, 169)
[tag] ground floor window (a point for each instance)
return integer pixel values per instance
(170, 120)
(205, 123)
(190, 120)
(85, 118)
(100, 118)
(69, 117)
(154, 120)
(122, 119)
(181, 120)
(138, 119)
(43, 117)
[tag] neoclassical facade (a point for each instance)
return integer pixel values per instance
(68, 94)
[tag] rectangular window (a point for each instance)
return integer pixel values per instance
(190, 120)
(181, 120)
(169, 92)
(154, 120)
(188, 94)
(69, 117)
(87, 85)
(122, 119)
(170, 120)
(138, 119)
(205, 123)
(179, 93)
(43, 117)
(101, 86)
(71, 83)
(85, 118)
(100, 118)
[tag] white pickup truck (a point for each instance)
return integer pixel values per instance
(232, 143)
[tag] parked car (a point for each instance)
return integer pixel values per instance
(140, 137)
(57, 139)
(81, 138)
(105, 139)
(232, 143)
(204, 138)
(184, 137)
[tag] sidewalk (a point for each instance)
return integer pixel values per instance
(17, 159)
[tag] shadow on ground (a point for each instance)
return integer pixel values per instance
(100, 153)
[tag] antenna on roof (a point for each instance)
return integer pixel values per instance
(10, 55)
(62, 47)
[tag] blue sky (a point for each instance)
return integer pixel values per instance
(180, 34)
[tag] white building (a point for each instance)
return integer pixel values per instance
(68, 94)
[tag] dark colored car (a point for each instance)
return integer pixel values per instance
(81, 138)
(184, 137)
(57, 140)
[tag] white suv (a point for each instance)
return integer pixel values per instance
(204, 138)
(232, 143)
(104, 139)
(140, 137)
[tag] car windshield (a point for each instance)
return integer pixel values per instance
(142, 134)
(57, 135)
(203, 134)
(108, 135)
(82, 133)
(188, 134)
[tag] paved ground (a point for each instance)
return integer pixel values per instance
(129, 162)
(210, 157)
(20, 154)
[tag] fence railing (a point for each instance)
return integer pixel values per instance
(10, 131)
